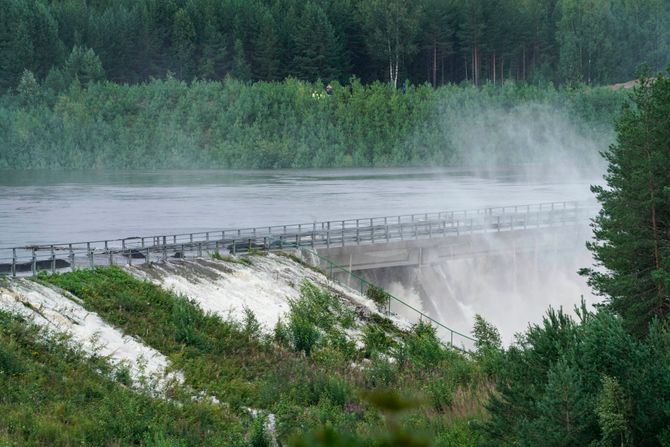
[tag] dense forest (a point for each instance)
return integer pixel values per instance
(600, 379)
(294, 124)
(435, 41)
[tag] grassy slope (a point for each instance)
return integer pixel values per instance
(51, 394)
(310, 373)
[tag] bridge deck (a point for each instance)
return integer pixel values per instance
(29, 260)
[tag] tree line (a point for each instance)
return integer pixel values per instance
(295, 124)
(603, 380)
(435, 41)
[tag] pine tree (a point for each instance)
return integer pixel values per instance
(316, 46)
(632, 231)
(240, 69)
(83, 64)
(183, 38)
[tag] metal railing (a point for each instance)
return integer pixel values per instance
(464, 342)
(29, 260)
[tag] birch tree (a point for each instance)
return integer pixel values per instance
(392, 27)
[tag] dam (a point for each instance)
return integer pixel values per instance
(430, 260)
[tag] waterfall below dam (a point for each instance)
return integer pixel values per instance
(507, 286)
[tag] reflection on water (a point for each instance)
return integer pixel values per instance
(63, 206)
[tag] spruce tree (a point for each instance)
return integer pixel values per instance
(631, 243)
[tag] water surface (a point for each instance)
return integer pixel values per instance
(63, 206)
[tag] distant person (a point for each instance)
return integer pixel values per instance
(329, 90)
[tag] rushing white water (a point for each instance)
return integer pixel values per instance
(58, 311)
(265, 287)
(63, 206)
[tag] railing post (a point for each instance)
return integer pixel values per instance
(109, 253)
(90, 254)
(328, 235)
(165, 249)
(234, 248)
(53, 260)
(71, 257)
(14, 262)
(358, 239)
(34, 263)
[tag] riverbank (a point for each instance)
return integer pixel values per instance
(293, 124)
(215, 355)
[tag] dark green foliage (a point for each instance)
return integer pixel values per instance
(83, 65)
(289, 124)
(632, 230)
(423, 347)
(586, 383)
(592, 41)
(379, 296)
(488, 345)
(259, 436)
(304, 334)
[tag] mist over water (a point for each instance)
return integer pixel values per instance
(526, 155)
(510, 287)
(542, 139)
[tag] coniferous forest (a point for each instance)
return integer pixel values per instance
(240, 84)
(434, 41)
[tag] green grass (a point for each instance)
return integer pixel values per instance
(232, 259)
(54, 395)
(310, 374)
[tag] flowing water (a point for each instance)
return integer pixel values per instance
(50, 207)
(40, 207)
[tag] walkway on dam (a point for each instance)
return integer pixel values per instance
(29, 260)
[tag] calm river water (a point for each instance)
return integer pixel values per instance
(65, 206)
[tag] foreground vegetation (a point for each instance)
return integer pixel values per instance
(322, 367)
(52, 394)
(293, 124)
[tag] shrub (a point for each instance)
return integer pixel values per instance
(378, 295)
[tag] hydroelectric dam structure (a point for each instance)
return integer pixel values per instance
(356, 252)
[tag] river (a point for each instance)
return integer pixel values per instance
(39, 207)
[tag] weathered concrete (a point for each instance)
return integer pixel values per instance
(442, 249)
